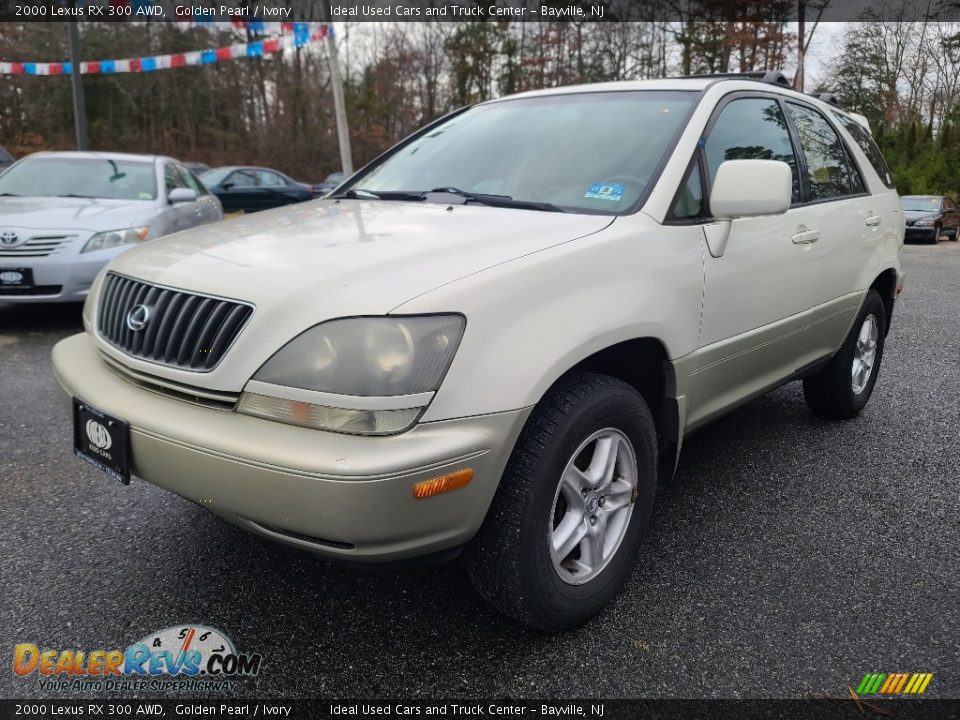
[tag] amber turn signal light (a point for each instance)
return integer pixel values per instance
(437, 485)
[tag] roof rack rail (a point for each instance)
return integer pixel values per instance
(827, 97)
(771, 77)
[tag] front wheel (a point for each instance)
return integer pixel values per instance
(574, 502)
(841, 390)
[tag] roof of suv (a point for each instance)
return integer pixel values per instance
(692, 84)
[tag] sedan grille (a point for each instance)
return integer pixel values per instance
(181, 329)
(38, 246)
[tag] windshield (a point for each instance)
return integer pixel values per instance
(215, 176)
(926, 204)
(80, 177)
(593, 152)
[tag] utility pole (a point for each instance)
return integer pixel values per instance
(339, 105)
(76, 82)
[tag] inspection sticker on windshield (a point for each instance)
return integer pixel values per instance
(606, 191)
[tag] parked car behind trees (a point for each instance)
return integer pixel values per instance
(64, 215)
(930, 216)
(251, 189)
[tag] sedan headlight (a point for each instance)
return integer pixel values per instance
(115, 238)
(369, 375)
(925, 223)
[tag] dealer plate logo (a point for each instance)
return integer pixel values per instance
(98, 435)
(11, 277)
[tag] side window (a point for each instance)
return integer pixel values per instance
(826, 158)
(949, 205)
(172, 178)
(243, 179)
(269, 179)
(688, 204)
(751, 129)
(191, 181)
(863, 138)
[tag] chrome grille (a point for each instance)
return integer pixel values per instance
(184, 329)
(38, 246)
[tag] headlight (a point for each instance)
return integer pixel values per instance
(925, 223)
(115, 238)
(357, 375)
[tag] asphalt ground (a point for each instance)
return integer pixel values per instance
(790, 557)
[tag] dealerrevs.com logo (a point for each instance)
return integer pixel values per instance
(181, 657)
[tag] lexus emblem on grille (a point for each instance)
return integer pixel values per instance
(137, 317)
(98, 435)
(9, 239)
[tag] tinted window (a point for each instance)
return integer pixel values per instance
(826, 159)
(751, 129)
(97, 177)
(949, 204)
(595, 151)
(689, 202)
(269, 179)
(243, 179)
(869, 147)
(212, 178)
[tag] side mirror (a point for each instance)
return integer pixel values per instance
(748, 188)
(227, 185)
(182, 195)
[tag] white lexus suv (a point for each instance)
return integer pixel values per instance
(495, 337)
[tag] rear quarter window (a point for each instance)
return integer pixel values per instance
(869, 147)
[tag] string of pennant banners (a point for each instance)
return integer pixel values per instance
(297, 34)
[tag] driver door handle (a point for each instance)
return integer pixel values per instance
(873, 220)
(806, 237)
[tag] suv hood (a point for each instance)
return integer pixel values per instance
(346, 257)
(55, 213)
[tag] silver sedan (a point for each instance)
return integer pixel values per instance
(64, 215)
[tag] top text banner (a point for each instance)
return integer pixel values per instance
(576, 11)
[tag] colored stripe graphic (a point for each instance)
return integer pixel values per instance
(894, 683)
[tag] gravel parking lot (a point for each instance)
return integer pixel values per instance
(789, 557)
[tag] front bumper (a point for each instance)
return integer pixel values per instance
(62, 277)
(342, 496)
(921, 233)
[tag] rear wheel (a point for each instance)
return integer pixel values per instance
(842, 389)
(574, 503)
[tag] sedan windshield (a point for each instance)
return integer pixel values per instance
(588, 152)
(116, 179)
(926, 204)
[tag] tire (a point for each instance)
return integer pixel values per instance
(835, 392)
(512, 562)
(936, 235)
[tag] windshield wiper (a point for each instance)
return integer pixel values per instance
(9, 195)
(361, 194)
(72, 195)
(503, 201)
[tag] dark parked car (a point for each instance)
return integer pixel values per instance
(250, 189)
(930, 216)
(6, 159)
(332, 181)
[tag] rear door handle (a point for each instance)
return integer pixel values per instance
(873, 220)
(806, 237)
